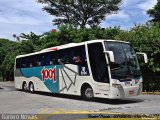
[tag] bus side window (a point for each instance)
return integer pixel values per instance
(27, 61)
(67, 56)
(33, 61)
(53, 58)
(51, 62)
(42, 60)
(60, 57)
(38, 60)
(78, 56)
(47, 59)
(22, 63)
(98, 62)
(18, 65)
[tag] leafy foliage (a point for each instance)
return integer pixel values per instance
(145, 38)
(8, 51)
(80, 12)
(32, 37)
(155, 12)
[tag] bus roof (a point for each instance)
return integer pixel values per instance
(66, 46)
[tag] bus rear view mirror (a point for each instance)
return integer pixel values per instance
(111, 55)
(144, 55)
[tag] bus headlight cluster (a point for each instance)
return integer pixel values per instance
(117, 85)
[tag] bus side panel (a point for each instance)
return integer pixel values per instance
(70, 80)
(38, 84)
(18, 79)
(67, 79)
(40, 76)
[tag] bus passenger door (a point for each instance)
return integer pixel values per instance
(99, 69)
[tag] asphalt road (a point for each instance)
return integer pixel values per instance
(13, 101)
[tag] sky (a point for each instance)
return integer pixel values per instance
(24, 16)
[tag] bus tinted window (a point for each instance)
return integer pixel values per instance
(98, 62)
(27, 61)
(18, 63)
(38, 60)
(74, 55)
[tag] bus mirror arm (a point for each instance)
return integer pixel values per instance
(144, 55)
(111, 55)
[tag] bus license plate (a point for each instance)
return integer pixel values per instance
(131, 92)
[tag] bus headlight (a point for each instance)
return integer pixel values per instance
(117, 86)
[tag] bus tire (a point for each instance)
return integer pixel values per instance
(87, 93)
(24, 86)
(31, 87)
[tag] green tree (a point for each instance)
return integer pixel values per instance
(31, 37)
(8, 51)
(7, 66)
(155, 12)
(26, 47)
(80, 12)
(145, 38)
(7, 47)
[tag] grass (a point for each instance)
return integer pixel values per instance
(1, 79)
(154, 93)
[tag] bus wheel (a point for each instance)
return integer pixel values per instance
(31, 87)
(24, 86)
(87, 93)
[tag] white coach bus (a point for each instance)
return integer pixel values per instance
(97, 68)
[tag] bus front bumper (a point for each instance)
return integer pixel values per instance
(125, 91)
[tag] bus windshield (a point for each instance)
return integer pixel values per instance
(126, 65)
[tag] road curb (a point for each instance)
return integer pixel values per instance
(151, 93)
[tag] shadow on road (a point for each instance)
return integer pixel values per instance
(99, 100)
(118, 101)
(7, 88)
